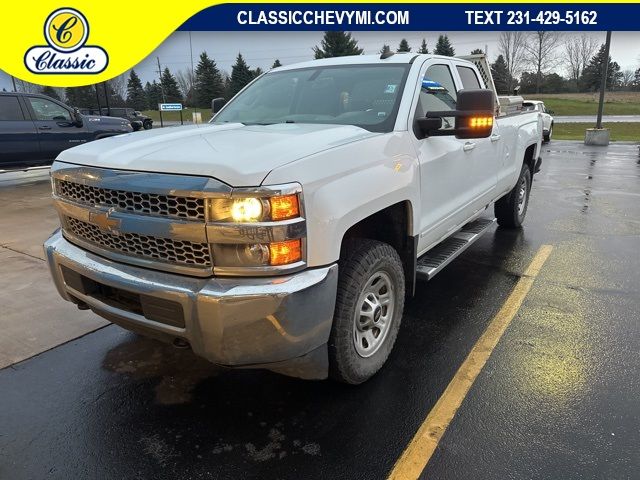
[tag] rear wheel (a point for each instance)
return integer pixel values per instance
(368, 311)
(511, 209)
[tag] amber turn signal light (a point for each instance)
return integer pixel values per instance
(284, 253)
(480, 122)
(284, 207)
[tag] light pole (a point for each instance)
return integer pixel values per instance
(601, 136)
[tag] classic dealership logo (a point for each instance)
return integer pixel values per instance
(66, 31)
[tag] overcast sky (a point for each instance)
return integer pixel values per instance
(260, 49)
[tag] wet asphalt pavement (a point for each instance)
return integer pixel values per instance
(559, 397)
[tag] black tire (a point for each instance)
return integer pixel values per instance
(547, 138)
(147, 125)
(509, 210)
(365, 265)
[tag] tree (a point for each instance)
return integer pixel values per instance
(185, 79)
(501, 76)
(627, 78)
(208, 83)
(153, 91)
(592, 74)
(540, 53)
(444, 47)
(114, 98)
(81, 97)
(136, 97)
(577, 53)
(170, 87)
(337, 44)
(241, 75)
(385, 50)
(477, 51)
(50, 92)
(636, 80)
(423, 47)
(276, 64)
(404, 46)
(511, 47)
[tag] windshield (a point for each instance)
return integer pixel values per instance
(364, 95)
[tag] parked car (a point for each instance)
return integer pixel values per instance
(134, 116)
(287, 233)
(35, 128)
(547, 117)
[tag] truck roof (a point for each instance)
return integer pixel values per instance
(397, 58)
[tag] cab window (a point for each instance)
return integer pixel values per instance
(437, 93)
(10, 109)
(48, 110)
(468, 77)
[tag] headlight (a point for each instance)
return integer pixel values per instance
(258, 231)
(255, 209)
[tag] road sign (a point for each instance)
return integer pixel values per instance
(170, 107)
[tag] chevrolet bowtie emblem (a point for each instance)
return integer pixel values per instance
(103, 221)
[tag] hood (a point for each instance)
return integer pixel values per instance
(236, 154)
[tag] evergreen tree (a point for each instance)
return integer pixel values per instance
(81, 97)
(136, 97)
(256, 73)
(385, 49)
(115, 100)
(170, 87)
(636, 80)
(444, 47)
(208, 83)
(276, 64)
(404, 46)
(477, 51)
(337, 44)
(592, 74)
(241, 74)
(423, 47)
(501, 77)
(153, 93)
(50, 92)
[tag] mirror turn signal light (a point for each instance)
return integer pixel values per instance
(284, 253)
(284, 207)
(481, 122)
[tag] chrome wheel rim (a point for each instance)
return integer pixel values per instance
(522, 196)
(374, 314)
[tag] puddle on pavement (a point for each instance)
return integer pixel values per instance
(179, 371)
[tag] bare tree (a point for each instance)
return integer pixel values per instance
(578, 51)
(541, 53)
(27, 87)
(511, 47)
(119, 85)
(185, 80)
(627, 79)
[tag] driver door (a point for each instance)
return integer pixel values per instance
(453, 182)
(56, 130)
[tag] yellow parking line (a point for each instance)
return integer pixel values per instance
(417, 454)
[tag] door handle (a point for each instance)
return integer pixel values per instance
(45, 127)
(468, 146)
(495, 137)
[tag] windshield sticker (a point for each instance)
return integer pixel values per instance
(390, 89)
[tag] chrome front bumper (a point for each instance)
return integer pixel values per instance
(279, 323)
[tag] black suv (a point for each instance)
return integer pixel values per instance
(134, 116)
(35, 128)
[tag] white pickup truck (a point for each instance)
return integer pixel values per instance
(287, 233)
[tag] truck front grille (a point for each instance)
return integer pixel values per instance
(147, 203)
(165, 250)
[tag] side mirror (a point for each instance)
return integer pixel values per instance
(77, 117)
(551, 112)
(474, 115)
(426, 126)
(217, 104)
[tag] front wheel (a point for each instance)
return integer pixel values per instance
(147, 124)
(511, 209)
(547, 137)
(368, 312)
